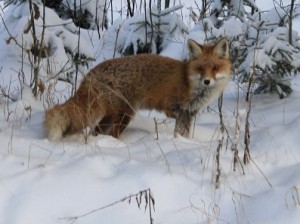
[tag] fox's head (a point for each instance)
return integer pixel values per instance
(209, 64)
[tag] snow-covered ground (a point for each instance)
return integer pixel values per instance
(46, 182)
(88, 181)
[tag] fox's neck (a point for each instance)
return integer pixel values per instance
(184, 84)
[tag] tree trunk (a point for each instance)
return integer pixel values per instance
(167, 4)
(291, 23)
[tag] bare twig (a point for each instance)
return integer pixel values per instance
(234, 146)
(247, 135)
(261, 172)
(41, 148)
(221, 141)
(77, 58)
(146, 194)
(156, 127)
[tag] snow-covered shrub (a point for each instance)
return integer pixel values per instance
(266, 49)
(260, 45)
(87, 14)
(60, 50)
(145, 33)
(223, 9)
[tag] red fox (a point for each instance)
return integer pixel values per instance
(114, 90)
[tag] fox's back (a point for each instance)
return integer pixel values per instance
(142, 77)
(138, 68)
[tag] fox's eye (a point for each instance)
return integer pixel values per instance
(216, 68)
(201, 69)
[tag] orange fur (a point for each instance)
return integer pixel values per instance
(112, 92)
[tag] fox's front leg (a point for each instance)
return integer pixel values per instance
(184, 122)
(173, 110)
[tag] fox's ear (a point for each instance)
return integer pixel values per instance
(194, 49)
(222, 49)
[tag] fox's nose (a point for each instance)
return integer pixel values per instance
(206, 82)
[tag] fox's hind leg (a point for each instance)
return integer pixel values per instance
(103, 127)
(119, 122)
(113, 124)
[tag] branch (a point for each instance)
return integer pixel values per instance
(149, 200)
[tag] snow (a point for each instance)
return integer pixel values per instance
(44, 182)
(55, 182)
(59, 36)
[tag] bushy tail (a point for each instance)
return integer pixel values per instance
(57, 122)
